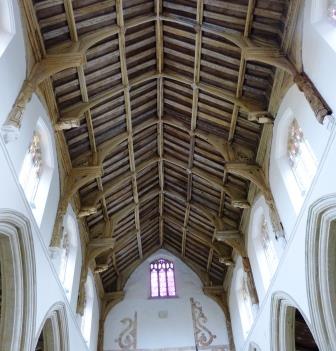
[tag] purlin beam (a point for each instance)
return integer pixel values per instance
(195, 86)
(85, 97)
(159, 67)
(128, 111)
(235, 112)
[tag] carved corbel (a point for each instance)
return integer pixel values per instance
(233, 238)
(276, 58)
(95, 248)
(261, 117)
(255, 174)
(316, 101)
(221, 250)
(48, 66)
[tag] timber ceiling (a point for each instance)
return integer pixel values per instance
(169, 71)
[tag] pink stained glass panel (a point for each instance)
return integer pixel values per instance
(162, 279)
(154, 284)
(171, 282)
(163, 283)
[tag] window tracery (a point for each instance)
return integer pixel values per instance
(32, 169)
(300, 157)
(162, 278)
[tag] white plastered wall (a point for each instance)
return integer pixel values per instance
(174, 331)
(49, 290)
(319, 58)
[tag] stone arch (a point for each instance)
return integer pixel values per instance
(320, 263)
(53, 334)
(283, 318)
(17, 261)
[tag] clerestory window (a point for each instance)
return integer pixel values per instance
(32, 169)
(301, 159)
(162, 278)
(268, 246)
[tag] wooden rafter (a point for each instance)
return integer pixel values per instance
(137, 97)
(128, 112)
(159, 67)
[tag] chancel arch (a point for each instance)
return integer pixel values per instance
(53, 333)
(17, 289)
(321, 274)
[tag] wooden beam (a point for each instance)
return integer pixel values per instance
(159, 68)
(125, 82)
(242, 68)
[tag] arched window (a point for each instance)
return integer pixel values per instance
(162, 278)
(268, 246)
(7, 24)
(64, 257)
(86, 322)
(263, 249)
(37, 169)
(32, 169)
(244, 302)
(301, 159)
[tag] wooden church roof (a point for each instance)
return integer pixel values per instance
(163, 85)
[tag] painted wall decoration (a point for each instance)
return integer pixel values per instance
(127, 339)
(203, 336)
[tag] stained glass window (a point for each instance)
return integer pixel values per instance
(31, 171)
(301, 159)
(162, 278)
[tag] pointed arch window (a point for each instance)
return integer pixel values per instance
(301, 159)
(268, 246)
(32, 169)
(247, 312)
(162, 279)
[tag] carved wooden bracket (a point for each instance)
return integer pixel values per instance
(77, 178)
(95, 248)
(276, 58)
(255, 174)
(48, 66)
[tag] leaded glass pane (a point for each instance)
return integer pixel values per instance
(162, 278)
